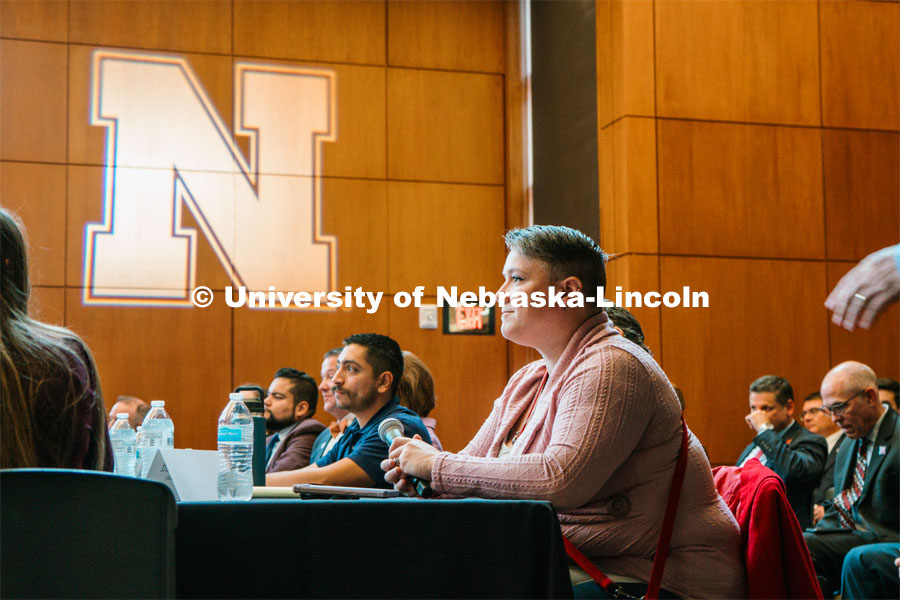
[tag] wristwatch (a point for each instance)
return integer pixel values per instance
(765, 427)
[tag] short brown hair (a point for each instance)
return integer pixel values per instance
(775, 384)
(416, 391)
(566, 251)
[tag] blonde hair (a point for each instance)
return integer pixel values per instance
(416, 390)
(33, 356)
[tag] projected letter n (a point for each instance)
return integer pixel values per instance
(167, 148)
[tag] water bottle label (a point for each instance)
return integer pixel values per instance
(230, 433)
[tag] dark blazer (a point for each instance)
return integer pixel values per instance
(878, 508)
(293, 452)
(824, 492)
(799, 459)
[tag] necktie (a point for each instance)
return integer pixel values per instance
(756, 453)
(844, 502)
(271, 446)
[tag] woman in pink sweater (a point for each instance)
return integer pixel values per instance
(594, 428)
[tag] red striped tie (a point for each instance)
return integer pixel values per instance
(845, 500)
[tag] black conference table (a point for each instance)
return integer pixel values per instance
(396, 548)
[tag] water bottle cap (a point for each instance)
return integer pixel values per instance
(236, 396)
(157, 403)
(121, 416)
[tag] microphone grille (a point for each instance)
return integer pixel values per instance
(387, 425)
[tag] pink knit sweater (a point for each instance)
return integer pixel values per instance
(601, 446)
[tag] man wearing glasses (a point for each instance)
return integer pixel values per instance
(817, 419)
(781, 444)
(866, 504)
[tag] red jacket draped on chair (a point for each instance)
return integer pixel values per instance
(777, 559)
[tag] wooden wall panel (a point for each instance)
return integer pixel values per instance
(740, 190)
(445, 127)
(180, 25)
(444, 235)
(359, 150)
(631, 49)
(738, 60)
(625, 46)
(607, 158)
(37, 194)
(34, 20)
(355, 212)
(468, 374)
(265, 341)
(459, 36)
(862, 192)
(634, 186)
(638, 273)
(48, 304)
(87, 143)
(448, 124)
(876, 347)
(764, 317)
(603, 13)
(180, 355)
(323, 30)
(860, 64)
(33, 111)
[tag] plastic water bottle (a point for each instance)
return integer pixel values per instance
(121, 435)
(138, 462)
(157, 432)
(235, 439)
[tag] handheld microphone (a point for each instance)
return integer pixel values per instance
(388, 431)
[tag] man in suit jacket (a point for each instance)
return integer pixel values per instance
(866, 506)
(818, 421)
(781, 444)
(289, 408)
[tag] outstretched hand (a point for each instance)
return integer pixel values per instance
(866, 290)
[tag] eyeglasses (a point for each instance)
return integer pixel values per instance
(814, 411)
(838, 408)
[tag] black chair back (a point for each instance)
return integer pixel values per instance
(67, 533)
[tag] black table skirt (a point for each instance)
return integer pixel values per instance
(398, 548)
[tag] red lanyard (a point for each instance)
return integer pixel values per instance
(534, 400)
(662, 546)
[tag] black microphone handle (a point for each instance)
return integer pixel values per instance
(422, 488)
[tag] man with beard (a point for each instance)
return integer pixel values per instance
(369, 369)
(289, 408)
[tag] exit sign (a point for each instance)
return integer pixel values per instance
(463, 320)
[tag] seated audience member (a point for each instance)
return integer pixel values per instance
(290, 406)
(594, 427)
(51, 409)
(783, 445)
(866, 504)
(889, 392)
(331, 434)
(625, 323)
(416, 392)
(369, 370)
(818, 421)
(870, 571)
(136, 408)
